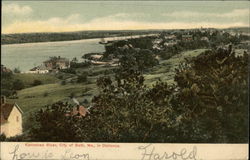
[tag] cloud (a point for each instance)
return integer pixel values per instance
(15, 9)
(54, 24)
(235, 13)
(187, 14)
(113, 22)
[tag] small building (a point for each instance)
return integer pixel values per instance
(96, 57)
(157, 41)
(38, 70)
(170, 43)
(204, 39)
(11, 119)
(170, 37)
(57, 63)
(5, 69)
(78, 111)
(187, 37)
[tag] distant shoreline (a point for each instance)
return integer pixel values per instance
(8, 39)
(94, 39)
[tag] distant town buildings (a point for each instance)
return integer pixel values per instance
(187, 37)
(11, 118)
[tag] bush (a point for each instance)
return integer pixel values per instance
(2, 137)
(18, 85)
(60, 77)
(82, 78)
(69, 70)
(36, 82)
(63, 82)
(45, 94)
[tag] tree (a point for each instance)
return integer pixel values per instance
(131, 116)
(137, 60)
(53, 124)
(74, 60)
(213, 98)
(16, 70)
(18, 85)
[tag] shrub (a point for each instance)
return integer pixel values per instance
(69, 70)
(63, 82)
(83, 77)
(60, 76)
(45, 94)
(18, 85)
(36, 82)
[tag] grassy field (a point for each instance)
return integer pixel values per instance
(34, 98)
(166, 70)
(28, 79)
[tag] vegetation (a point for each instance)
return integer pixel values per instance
(207, 104)
(16, 70)
(48, 37)
(18, 85)
(83, 77)
(195, 92)
(37, 82)
(28, 79)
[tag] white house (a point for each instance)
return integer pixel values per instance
(11, 119)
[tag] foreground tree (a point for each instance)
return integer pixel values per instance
(213, 98)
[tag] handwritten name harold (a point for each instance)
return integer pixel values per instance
(66, 155)
(149, 153)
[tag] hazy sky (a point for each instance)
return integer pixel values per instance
(57, 16)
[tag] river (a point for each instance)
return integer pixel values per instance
(28, 55)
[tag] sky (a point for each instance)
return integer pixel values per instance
(64, 16)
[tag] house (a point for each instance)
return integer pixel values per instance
(157, 41)
(5, 69)
(38, 70)
(187, 37)
(204, 39)
(78, 111)
(170, 37)
(11, 118)
(96, 57)
(170, 43)
(57, 63)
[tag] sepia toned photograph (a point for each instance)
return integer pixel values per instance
(125, 71)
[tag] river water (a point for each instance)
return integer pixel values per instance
(28, 55)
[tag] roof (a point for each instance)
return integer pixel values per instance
(6, 109)
(80, 111)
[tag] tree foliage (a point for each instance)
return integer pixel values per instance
(209, 103)
(213, 97)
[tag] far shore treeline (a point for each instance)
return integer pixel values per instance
(67, 36)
